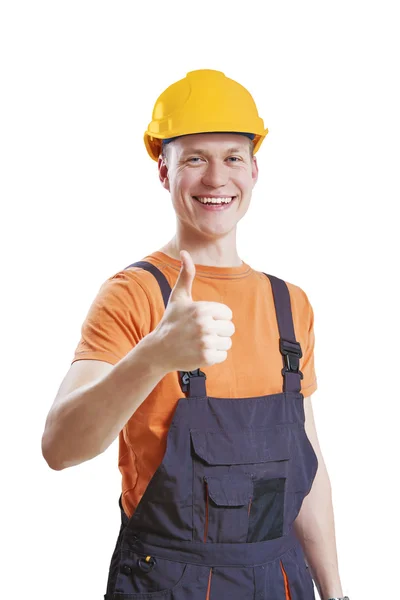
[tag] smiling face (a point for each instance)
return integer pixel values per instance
(209, 165)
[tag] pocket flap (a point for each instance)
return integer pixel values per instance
(220, 447)
(230, 490)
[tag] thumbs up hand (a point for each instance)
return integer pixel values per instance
(192, 334)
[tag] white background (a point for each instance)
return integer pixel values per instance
(81, 199)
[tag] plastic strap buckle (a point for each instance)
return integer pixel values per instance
(292, 353)
(186, 376)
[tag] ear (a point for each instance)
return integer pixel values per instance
(254, 171)
(163, 172)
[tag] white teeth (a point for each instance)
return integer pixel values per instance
(214, 200)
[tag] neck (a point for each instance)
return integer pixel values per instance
(212, 255)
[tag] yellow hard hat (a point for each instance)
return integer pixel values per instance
(204, 101)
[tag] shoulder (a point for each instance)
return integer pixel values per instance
(130, 280)
(124, 296)
(298, 298)
(135, 293)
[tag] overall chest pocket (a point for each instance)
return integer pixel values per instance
(239, 483)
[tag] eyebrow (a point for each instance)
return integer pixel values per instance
(203, 151)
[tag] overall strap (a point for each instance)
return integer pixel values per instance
(288, 346)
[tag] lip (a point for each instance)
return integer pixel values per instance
(216, 207)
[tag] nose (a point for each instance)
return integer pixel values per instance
(215, 174)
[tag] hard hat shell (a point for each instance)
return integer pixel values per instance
(204, 101)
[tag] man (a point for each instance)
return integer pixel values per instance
(204, 367)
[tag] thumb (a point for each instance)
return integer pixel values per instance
(183, 286)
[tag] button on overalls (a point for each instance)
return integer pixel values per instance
(215, 520)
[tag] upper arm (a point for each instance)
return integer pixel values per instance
(310, 428)
(303, 321)
(118, 318)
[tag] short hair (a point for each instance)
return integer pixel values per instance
(164, 149)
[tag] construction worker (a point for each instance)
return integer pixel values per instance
(204, 368)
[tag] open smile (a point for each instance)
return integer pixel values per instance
(215, 203)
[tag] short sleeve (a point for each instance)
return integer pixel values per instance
(307, 366)
(118, 318)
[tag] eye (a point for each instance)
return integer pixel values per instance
(198, 158)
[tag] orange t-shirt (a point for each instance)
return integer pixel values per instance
(129, 305)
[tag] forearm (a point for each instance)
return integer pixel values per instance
(315, 529)
(88, 420)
